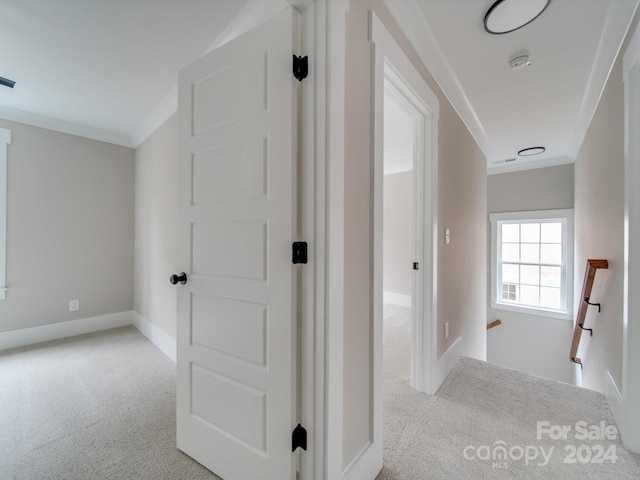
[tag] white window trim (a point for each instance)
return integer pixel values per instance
(5, 139)
(564, 215)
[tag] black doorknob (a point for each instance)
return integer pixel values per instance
(182, 278)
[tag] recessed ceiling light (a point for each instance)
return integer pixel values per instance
(505, 16)
(6, 82)
(528, 152)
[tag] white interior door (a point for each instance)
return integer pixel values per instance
(236, 359)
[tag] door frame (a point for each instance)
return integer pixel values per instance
(312, 226)
(400, 93)
(392, 65)
(625, 406)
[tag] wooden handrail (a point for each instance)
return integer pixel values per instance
(589, 276)
(495, 323)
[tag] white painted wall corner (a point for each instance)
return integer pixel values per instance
(165, 343)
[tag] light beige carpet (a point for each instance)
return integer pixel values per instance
(98, 406)
(102, 406)
(458, 433)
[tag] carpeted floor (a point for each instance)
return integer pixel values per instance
(102, 406)
(457, 433)
(98, 406)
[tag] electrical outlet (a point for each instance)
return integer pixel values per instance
(74, 305)
(447, 236)
(446, 330)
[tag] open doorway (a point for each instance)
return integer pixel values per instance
(398, 235)
(396, 78)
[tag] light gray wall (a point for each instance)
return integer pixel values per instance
(541, 189)
(69, 228)
(156, 171)
(462, 207)
(530, 343)
(599, 228)
(398, 231)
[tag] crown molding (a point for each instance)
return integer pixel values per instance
(412, 22)
(63, 126)
(158, 116)
(522, 165)
(617, 23)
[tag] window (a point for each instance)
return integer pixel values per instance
(5, 139)
(532, 262)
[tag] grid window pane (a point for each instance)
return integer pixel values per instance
(551, 233)
(530, 253)
(511, 232)
(551, 253)
(531, 261)
(550, 297)
(530, 275)
(551, 276)
(529, 295)
(509, 292)
(510, 273)
(510, 252)
(530, 233)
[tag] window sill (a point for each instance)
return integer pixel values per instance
(540, 312)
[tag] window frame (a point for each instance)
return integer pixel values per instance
(565, 216)
(5, 140)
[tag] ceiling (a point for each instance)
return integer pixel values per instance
(108, 69)
(572, 47)
(101, 66)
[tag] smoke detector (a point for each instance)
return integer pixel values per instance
(519, 62)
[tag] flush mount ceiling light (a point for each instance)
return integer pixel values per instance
(528, 152)
(6, 82)
(505, 16)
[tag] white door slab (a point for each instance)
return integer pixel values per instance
(236, 359)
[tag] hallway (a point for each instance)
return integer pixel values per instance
(481, 407)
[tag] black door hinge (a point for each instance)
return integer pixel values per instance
(416, 265)
(299, 438)
(300, 67)
(299, 254)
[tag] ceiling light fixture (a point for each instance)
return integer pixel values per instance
(528, 152)
(6, 82)
(505, 16)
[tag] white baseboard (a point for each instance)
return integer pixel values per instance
(367, 464)
(577, 375)
(445, 363)
(614, 399)
(165, 343)
(55, 331)
(396, 299)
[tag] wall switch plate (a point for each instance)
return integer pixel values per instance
(74, 305)
(447, 236)
(446, 330)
